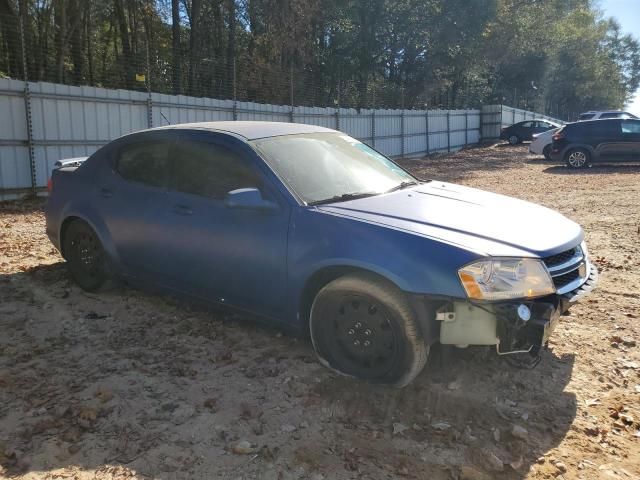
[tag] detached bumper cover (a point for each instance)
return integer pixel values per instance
(514, 325)
(545, 316)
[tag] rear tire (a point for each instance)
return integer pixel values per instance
(578, 158)
(514, 140)
(364, 327)
(546, 151)
(86, 258)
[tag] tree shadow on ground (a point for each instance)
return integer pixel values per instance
(462, 411)
(23, 206)
(124, 381)
(597, 169)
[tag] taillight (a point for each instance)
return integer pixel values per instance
(50, 185)
(558, 136)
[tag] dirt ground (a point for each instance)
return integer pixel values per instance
(125, 384)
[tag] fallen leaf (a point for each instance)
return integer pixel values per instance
(104, 394)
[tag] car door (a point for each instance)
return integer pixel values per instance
(631, 139)
(606, 138)
(234, 256)
(131, 192)
(526, 130)
(544, 126)
(538, 127)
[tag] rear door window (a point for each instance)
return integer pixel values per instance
(603, 129)
(630, 126)
(209, 170)
(145, 162)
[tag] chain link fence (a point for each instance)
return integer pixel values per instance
(38, 50)
(67, 99)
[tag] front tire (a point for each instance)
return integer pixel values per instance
(364, 327)
(578, 158)
(85, 256)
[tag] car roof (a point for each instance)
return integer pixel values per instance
(251, 130)
(536, 120)
(599, 121)
(595, 112)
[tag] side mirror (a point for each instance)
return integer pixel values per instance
(248, 199)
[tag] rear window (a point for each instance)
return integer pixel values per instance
(586, 116)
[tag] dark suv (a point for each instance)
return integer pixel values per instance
(583, 143)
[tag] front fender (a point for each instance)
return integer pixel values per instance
(416, 264)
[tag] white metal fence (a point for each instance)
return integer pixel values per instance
(43, 122)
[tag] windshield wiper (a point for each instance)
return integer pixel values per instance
(344, 197)
(402, 185)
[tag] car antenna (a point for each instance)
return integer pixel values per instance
(166, 119)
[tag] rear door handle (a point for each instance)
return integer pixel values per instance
(106, 192)
(182, 210)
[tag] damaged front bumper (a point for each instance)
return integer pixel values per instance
(512, 326)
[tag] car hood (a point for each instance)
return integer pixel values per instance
(483, 222)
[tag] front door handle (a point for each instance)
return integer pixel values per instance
(182, 210)
(106, 192)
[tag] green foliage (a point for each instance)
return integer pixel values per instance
(556, 56)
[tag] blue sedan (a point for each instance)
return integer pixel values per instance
(308, 228)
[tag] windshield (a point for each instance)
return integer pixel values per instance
(325, 167)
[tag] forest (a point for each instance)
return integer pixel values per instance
(559, 57)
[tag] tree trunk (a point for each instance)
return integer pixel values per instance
(231, 45)
(60, 18)
(77, 40)
(10, 25)
(89, 35)
(121, 20)
(194, 44)
(175, 30)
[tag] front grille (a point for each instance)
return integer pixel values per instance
(566, 278)
(560, 258)
(564, 268)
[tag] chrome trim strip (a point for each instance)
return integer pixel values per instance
(586, 288)
(577, 282)
(576, 259)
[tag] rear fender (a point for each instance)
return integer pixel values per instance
(90, 216)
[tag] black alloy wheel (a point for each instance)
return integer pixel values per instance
(85, 256)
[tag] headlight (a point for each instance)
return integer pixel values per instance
(506, 278)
